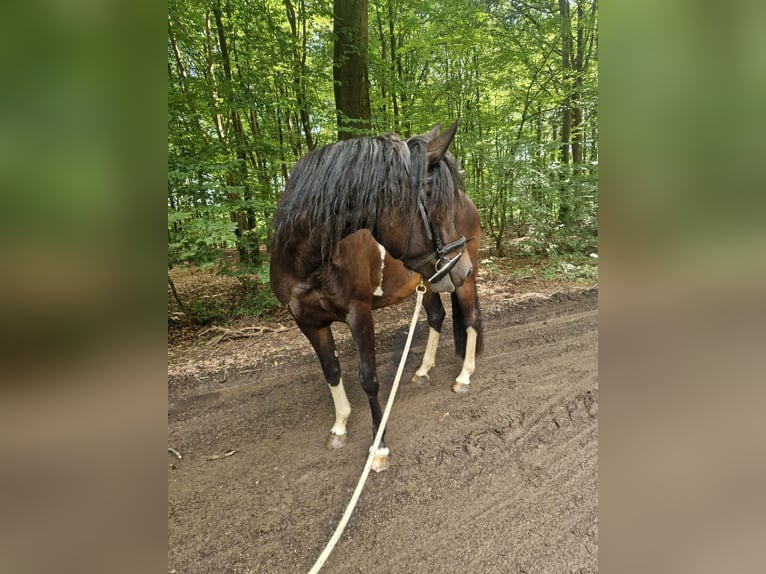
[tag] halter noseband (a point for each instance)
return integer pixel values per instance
(443, 264)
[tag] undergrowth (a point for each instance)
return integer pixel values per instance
(220, 302)
(231, 291)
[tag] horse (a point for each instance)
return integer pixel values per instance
(359, 222)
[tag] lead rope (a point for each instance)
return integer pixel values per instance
(421, 289)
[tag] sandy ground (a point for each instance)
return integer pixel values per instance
(503, 479)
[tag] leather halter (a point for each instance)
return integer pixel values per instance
(443, 263)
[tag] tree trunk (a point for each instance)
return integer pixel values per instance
(181, 305)
(299, 68)
(578, 136)
(352, 96)
(384, 58)
(245, 218)
(566, 57)
(394, 76)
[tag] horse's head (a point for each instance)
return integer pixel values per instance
(435, 247)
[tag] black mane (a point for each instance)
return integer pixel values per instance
(446, 189)
(350, 185)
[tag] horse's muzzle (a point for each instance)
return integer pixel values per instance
(444, 266)
(448, 279)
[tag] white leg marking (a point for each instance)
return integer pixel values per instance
(342, 409)
(429, 358)
(379, 289)
(381, 451)
(469, 363)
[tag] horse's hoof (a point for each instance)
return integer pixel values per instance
(380, 462)
(335, 441)
(420, 379)
(460, 388)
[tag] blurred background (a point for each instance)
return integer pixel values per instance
(682, 277)
(84, 252)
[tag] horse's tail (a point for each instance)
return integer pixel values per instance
(459, 326)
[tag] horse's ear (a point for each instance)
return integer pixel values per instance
(437, 146)
(434, 132)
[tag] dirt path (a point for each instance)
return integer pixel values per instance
(503, 479)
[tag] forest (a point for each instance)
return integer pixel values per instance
(253, 85)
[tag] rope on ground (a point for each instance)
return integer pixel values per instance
(378, 437)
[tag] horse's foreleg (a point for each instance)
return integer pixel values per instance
(429, 357)
(435, 312)
(466, 322)
(363, 331)
(463, 381)
(324, 345)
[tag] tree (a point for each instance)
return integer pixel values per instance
(576, 53)
(350, 68)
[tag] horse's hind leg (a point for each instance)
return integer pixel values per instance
(432, 303)
(324, 345)
(362, 327)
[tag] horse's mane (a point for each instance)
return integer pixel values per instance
(446, 189)
(352, 184)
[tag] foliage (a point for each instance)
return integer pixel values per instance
(249, 296)
(197, 239)
(255, 297)
(559, 217)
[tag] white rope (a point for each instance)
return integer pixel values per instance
(378, 437)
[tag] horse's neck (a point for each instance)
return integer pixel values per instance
(392, 235)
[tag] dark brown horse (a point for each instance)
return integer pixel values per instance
(356, 218)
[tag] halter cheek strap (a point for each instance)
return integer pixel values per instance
(443, 264)
(443, 267)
